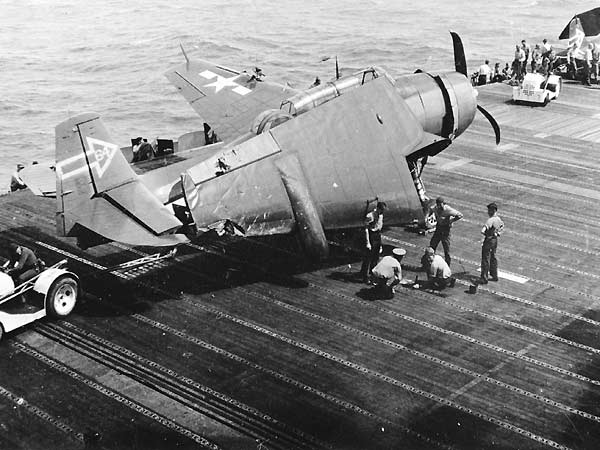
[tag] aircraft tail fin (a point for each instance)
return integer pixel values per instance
(98, 193)
(576, 33)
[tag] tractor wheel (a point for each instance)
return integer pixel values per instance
(62, 296)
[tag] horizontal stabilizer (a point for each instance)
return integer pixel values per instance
(136, 200)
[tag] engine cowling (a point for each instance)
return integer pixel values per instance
(444, 104)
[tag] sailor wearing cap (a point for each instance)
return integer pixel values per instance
(492, 228)
(16, 182)
(445, 216)
(388, 272)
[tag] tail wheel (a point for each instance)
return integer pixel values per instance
(62, 296)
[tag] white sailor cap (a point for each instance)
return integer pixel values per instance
(399, 252)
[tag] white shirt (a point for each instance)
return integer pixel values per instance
(439, 268)
(388, 267)
(484, 69)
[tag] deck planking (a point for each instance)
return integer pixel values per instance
(280, 354)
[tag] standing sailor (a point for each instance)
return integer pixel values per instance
(373, 226)
(492, 228)
(445, 216)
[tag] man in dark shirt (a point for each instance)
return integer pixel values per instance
(22, 265)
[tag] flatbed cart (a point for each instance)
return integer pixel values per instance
(53, 292)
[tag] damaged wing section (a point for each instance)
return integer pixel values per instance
(99, 192)
(251, 194)
(264, 196)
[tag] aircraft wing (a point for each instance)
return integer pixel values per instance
(225, 99)
(40, 179)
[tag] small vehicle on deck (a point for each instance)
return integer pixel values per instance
(536, 88)
(52, 292)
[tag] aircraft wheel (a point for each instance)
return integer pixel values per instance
(62, 296)
(1, 332)
(546, 100)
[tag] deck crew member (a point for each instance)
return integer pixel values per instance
(485, 73)
(546, 48)
(388, 272)
(492, 228)
(16, 182)
(445, 216)
(22, 265)
(536, 58)
(587, 63)
(142, 151)
(373, 226)
(518, 63)
(439, 275)
(527, 51)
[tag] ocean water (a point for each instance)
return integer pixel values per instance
(63, 57)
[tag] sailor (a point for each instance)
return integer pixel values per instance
(16, 182)
(587, 63)
(137, 142)
(388, 272)
(373, 226)
(497, 76)
(316, 83)
(492, 228)
(439, 275)
(144, 152)
(485, 72)
(518, 63)
(536, 58)
(506, 72)
(546, 48)
(595, 59)
(527, 51)
(22, 265)
(571, 63)
(445, 216)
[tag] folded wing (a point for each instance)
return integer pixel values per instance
(226, 100)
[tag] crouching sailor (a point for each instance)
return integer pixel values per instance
(388, 272)
(439, 275)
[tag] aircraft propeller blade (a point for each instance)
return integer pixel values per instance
(460, 62)
(492, 121)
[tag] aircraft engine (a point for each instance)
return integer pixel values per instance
(444, 104)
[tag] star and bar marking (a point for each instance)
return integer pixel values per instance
(222, 82)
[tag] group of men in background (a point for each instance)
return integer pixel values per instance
(582, 61)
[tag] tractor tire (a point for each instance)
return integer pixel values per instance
(62, 296)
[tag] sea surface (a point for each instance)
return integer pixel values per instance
(62, 57)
